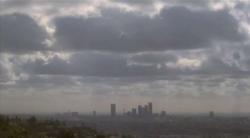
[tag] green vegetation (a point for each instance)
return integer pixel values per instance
(33, 128)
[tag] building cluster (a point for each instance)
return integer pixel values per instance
(139, 111)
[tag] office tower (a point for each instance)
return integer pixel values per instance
(211, 114)
(94, 113)
(139, 110)
(150, 108)
(163, 113)
(133, 111)
(128, 113)
(113, 110)
(145, 111)
(75, 114)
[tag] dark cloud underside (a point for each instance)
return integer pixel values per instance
(19, 33)
(175, 28)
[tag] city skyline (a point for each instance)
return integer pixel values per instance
(143, 111)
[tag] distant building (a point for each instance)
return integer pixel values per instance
(145, 110)
(139, 110)
(133, 111)
(150, 108)
(211, 114)
(94, 113)
(129, 113)
(163, 113)
(113, 110)
(75, 114)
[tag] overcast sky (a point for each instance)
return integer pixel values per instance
(82, 55)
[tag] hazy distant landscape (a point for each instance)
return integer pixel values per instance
(69, 125)
(140, 122)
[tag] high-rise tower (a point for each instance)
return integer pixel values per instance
(140, 108)
(113, 110)
(150, 108)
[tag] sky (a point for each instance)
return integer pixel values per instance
(83, 55)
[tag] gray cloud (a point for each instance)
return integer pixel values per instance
(175, 28)
(5, 71)
(3, 74)
(121, 66)
(149, 2)
(42, 82)
(91, 64)
(190, 54)
(26, 3)
(21, 34)
(215, 65)
(135, 2)
(192, 4)
(153, 58)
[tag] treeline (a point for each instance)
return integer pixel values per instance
(15, 127)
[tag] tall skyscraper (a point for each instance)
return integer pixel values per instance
(150, 108)
(113, 110)
(133, 111)
(145, 110)
(139, 110)
(94, 113)
(163, 113)
(211, 114)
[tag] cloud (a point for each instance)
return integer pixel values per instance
(110, 65)
(192, 53)
(49, 8)
(90, 64)
(153, 58)
(21, 34)
(150, 2)
(143, 2)
(192, 4)
(6, 74)
(3, 74)
(214, 65)
(175, 28)
(26, 3)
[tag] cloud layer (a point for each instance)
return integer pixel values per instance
(20, 33)
(169, 52)
(175, 28)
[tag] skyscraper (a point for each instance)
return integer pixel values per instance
(150, 108)
(113, 110)
(140, 110)
(145, 110)
(134, 112)
(94, 113)
(211, 114)
(163, 113)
